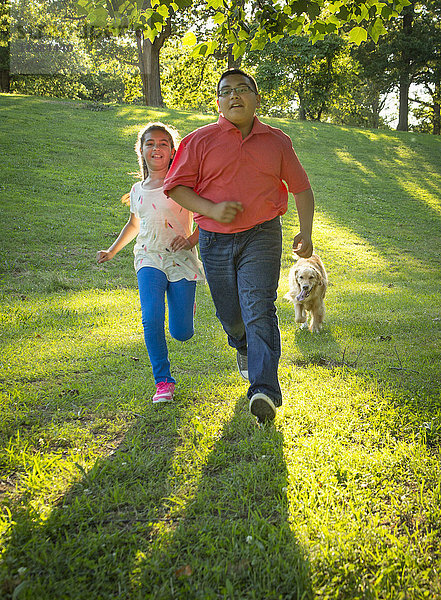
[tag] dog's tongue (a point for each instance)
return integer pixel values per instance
(303, 294)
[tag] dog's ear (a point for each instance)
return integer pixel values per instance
(296, 272)
(319, 276)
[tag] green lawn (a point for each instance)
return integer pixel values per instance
(103, 496)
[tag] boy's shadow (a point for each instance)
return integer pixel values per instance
(233, 538)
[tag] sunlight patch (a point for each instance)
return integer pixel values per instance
(348, 159)
(422, 194)
(347, 247)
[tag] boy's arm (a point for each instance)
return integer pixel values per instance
(223, 212)
(302, 244)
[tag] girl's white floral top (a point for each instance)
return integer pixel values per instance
(161, 220)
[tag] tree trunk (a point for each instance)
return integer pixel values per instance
(5, 81)
(148, 61)
(5, 76)
(405, 76)
(375, 116)
(232, 62)
(437, 109)
(302, 113)
(403, 114)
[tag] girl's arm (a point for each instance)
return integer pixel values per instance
(128, 233)
(182, 243)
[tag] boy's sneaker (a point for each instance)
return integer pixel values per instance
(262, 407)
(242, 364)
(164, 392)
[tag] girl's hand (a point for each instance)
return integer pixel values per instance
(180, 243)
(103, 255)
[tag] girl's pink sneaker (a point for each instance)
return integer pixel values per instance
(164, 392)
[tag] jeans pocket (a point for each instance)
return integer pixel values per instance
(206, 239)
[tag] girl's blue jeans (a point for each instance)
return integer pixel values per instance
(153, 287)
(242, 271)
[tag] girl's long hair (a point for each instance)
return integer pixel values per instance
(173, 136)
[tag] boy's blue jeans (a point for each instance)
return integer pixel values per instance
(242, 271)
(153, 287)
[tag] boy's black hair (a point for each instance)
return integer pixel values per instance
(238, 72)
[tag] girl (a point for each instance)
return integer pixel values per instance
(166, 261)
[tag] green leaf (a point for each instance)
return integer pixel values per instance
(163, 10)
(157, 19)
(219, 18)
(258, 42)
(212, 47)
(150, 34)
(183, 3)
(376, 29)
(98, 17)
(19, 589)
(203, 49)
(299, 6)
(189, 39)
(215, 3)
(238, 50)
(81, 10)
(243, 35)
(199, 50)
(343, 14)
(386, 12)
(358, 35)
(313, 10)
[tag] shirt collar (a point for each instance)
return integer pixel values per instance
(258, 126)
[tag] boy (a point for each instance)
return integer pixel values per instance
(231, 175)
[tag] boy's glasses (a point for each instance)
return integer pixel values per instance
(240, 90)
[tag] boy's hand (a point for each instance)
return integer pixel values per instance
(225, 212)
(302, 245)
(180, 243)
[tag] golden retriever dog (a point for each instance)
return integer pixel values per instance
(307, 288)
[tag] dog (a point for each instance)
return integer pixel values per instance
(308, 282)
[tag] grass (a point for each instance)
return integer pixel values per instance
(103, 496)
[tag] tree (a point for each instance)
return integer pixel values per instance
(151, 27)
(239, 25)
(373, 78)
(148, 60)
(295, 71)
(429, 77)
(5, 24)
(52, 52)
(411, 47)
(195, 90)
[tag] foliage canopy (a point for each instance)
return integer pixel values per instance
(250, 24)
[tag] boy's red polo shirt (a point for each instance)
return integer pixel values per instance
(219, 165)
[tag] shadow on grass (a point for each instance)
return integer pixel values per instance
(87, 546)
(122, 532)
(234, 539)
